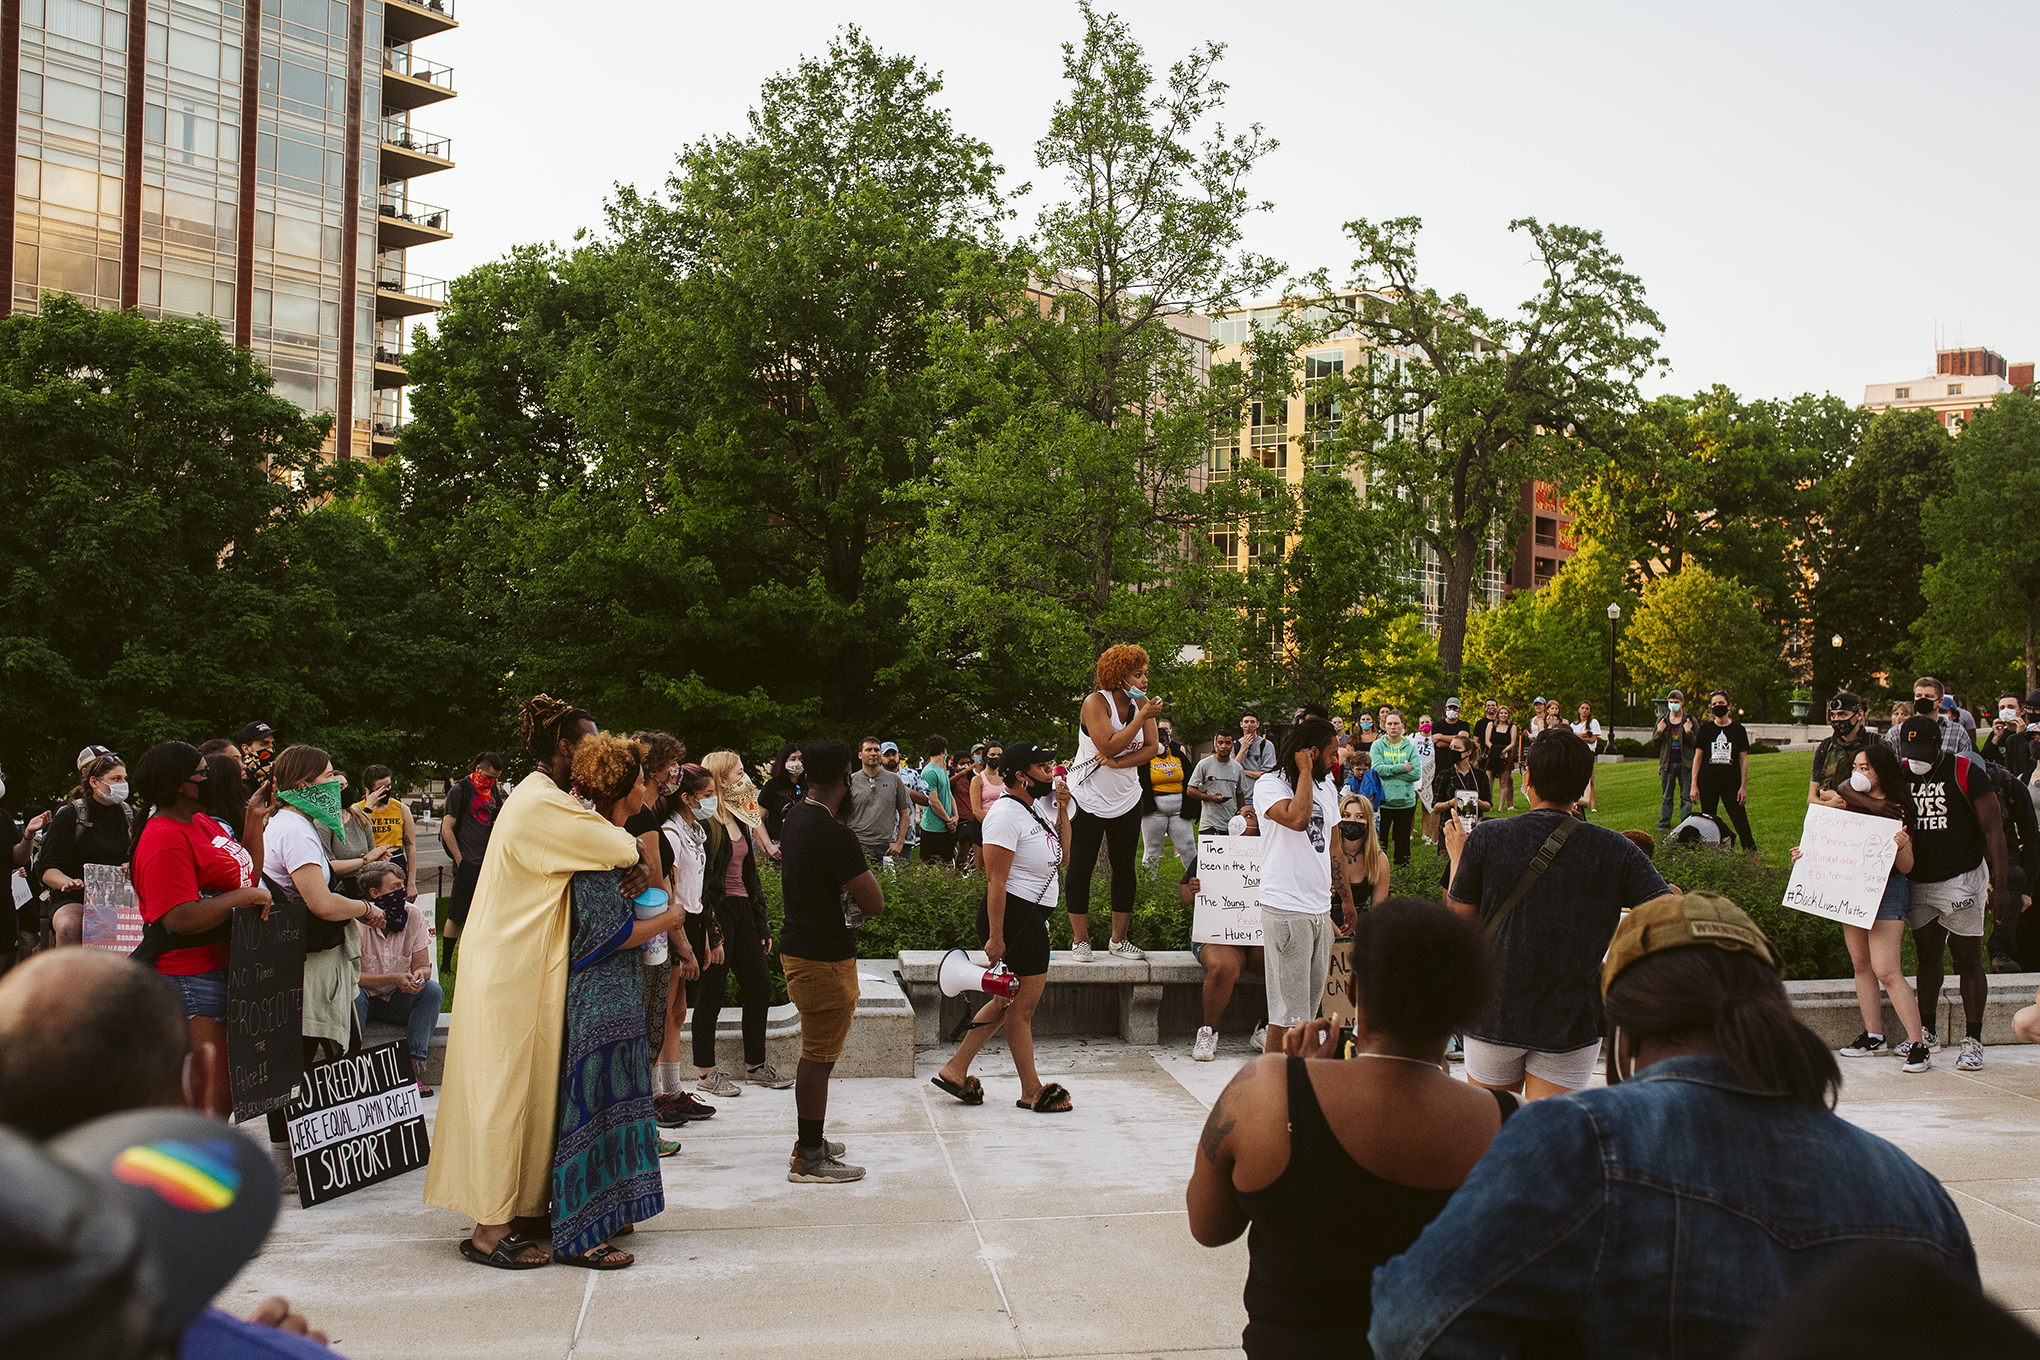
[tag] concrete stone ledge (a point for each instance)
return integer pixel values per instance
(1141, 1002)
(1828, 1006)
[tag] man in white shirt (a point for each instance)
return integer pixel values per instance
(1297, 807)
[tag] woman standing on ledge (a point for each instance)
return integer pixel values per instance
(1116, 734)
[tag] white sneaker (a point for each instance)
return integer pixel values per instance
(1080, 952)
(1127, 949)
(1971, 1057)
(1259, 1043)
(1206, 1047)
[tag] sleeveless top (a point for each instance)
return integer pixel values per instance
(1319, 1231)
(387, 822)
(1097, 788)
(1499, 739)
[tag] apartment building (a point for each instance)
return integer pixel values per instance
(1962, 381)
(248, 162)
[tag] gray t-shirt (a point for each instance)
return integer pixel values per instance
(1221, 777)
(876, 804)
(1549, 950)
(1259, 753)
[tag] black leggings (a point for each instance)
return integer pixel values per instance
(744, 955)
(1396, 823)
(1968, 952)
(1121, 836)
(1722, 789)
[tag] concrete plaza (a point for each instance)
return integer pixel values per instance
(986, 1231)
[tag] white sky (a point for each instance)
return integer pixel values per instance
(1807, 190)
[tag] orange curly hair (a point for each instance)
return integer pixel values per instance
(607, 767)
(1119, 664)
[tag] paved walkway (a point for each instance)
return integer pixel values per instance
(980, 1232)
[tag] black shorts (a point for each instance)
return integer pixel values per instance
(970, 832)
(937, 847)
(1026, 935)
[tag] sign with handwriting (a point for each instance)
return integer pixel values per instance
(1228, 906)
(1843, 862)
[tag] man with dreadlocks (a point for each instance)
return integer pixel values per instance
(492, 1150)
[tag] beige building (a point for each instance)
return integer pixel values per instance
(1962, 381)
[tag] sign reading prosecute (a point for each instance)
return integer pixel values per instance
(1844, 860)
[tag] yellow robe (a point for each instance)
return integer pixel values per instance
(493, 1144)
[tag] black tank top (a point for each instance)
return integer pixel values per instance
(1317, 1234)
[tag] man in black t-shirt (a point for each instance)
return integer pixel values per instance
(1721, 766)
(1956, 824)
(828, 888)
(1443, 732)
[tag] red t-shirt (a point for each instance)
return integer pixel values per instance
(178, 862)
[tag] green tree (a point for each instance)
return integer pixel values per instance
(1698, 631)
(141, 466)
(1553, 641)
(1876, 553)
(1983, 595)
(1068, 507)
(1339, 593)
(1458, 407)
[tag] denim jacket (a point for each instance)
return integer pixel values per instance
(1666, 1216)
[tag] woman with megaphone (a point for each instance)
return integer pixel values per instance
(1024, 834)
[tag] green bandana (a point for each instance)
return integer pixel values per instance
(320, 802)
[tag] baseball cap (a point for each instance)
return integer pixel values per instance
(1947, 702)
(1845, 702)
(1021, 754)
(1920, 739)
(92, 753)
(1678, 694)
(885, 746)
(1538, 700)
(254, 731)
(1681, 922)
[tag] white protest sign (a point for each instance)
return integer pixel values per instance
(1228, 908)
(1844, 860)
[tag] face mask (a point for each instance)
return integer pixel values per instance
(1452, 713)
(116, 793)
(2008, 715)
(1675, 705)
(1166, 735)
(1367, 724)
(394, 909)
(1135, 692)
(1919, 766)
(483, 783)
(708, 806)
(1352, 831)
(1859, 781)
(1040, 788)
(1721, 710)
(794, 767)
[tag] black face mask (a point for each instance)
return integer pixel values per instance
(1353, 831)
(1040, 788)
(1721, 710)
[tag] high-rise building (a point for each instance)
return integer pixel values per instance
(1962, 381)
(248, 162)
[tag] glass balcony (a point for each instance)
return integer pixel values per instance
(403, 222)
(408, 152)
(410, 82)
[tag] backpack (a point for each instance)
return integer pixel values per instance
(1370, 788)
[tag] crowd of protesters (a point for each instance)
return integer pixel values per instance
(607, 897)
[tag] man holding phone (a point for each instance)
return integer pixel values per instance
(391, 823)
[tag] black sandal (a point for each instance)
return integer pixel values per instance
(601, 1256)
(971, 1092)
(1050, 1099)
(504, 1257)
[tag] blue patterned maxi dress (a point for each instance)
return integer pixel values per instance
(606, 1166)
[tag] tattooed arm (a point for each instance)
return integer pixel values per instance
(1215, 1214)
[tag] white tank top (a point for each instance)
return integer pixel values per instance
(1099, 789)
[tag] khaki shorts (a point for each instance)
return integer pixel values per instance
(825, 994)
(1957, 903)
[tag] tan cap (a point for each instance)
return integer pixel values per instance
(1675, 922)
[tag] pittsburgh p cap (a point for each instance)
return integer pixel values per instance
(1919, 739)
(1674, 922)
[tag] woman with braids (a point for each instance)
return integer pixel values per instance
(498, 1106)
(1669, 1212)
(605, 1168)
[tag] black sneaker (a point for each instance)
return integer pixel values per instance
(1865, 1045)
(1917, 1059)
(2005, 963)
(693, 1106)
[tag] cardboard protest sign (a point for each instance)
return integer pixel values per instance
(1228, 907)
(1337, 1003)
(353, 1123)
(113, 918)
(1844, 861)
(265, 1006)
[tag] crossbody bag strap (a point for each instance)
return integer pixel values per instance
(1539, 862)
(1028, 808)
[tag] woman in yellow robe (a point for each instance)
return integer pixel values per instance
(492, 1148)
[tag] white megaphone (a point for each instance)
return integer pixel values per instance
(959, 975)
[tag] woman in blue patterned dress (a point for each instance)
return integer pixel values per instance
(606, 1165)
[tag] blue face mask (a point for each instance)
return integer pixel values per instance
(708, 807)
(1135, 692)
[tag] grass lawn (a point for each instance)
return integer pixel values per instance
(1629, 798)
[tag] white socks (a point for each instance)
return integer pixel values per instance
(668, 1079)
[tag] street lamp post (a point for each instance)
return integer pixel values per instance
(1614, 614)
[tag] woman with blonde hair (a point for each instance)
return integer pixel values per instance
(1115, 737)
(1360, 867)
(730, 888)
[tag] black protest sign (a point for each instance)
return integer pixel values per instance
(353, 1123)
(265, 1006)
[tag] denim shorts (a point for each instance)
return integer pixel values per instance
(205, 994)
(1897, 897)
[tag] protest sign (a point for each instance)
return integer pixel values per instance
(1337, 1003)
(353, 1123)
(265, 1006)
(113, 918)
(1228, 907)
(1844, 860)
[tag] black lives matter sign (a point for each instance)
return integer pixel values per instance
(353, 1123)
